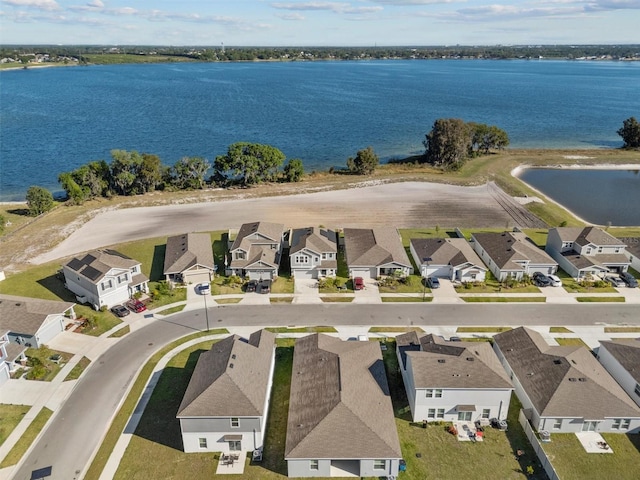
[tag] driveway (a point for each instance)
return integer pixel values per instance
(370, 293)
(306, 291)
(446, 293)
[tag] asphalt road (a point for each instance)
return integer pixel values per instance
(77, 428)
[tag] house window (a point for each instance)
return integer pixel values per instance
(202, 442)
(313, 465)
(440, 413)
(616, 424)
(379, 464)
(324, 256)
(431, 413)
(240, 256)
(106, 285)
(557, 424)
(486, 412)
(599, 249)
(464, 416)
(626, 423)
(473, 276)
(637, 390)
(134, 269)
(273, 246)
(438, 393)
(235, 445)
(431, 393)
(235, 422)
(588, 252)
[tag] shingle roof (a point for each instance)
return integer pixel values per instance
(26, 315)
(600, 260)
(270, 231)
(97, 263)
(374, 247)
(446, 251)
(563, 381)
(627, 353)
(633, 245)
(340, 406)
(318, 240)
(586, 235)
(186, 251)
(231, 379)
(507, 248)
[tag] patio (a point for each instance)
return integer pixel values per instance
(468, 432)
(231, 464)
(592, 442)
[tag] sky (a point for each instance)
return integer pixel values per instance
(319, 23)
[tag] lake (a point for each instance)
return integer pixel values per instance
(597, 196)
(55, 119)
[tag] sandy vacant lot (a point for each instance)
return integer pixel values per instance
(403, 205)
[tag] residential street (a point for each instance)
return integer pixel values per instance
(77, 428)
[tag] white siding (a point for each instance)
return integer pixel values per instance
(617, 371)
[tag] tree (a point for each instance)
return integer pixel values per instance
(93, 178)
(485, 138)
(365, 162)
(294, 170)
(250, 163)
(448, 143)
(3, 224)
(630, 133)
(150, 173)
(39, 200)
(189, 173)
(75, 193)
(125, 171)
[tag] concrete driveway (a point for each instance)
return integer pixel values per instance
(446, 293)
(306, 291)
(370, 294)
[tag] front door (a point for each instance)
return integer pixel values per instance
(464, 416)
(235, 445)
(589, 426)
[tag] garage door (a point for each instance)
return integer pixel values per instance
(197, 277)
(304, 274)
(363, 272)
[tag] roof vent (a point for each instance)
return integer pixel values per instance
(470, 359)
(233, 355)
(572, 379)
(530, 374)
(455, 374)
(441, 360)
(231, 365)
(557, 362)
(582, 379)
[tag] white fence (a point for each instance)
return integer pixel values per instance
(537, 447)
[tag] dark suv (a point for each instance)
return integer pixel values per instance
(265, 286)
(629, 279)
(252, 286)
(541, 280)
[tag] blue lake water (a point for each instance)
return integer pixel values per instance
(597, 196)
(55, 119)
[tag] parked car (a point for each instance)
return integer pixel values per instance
(265, 286)
(119, 311)
(615, 281)
(555, 280)
(204, 288)
(455, 339)
(433, 282)
(358, 283)
(252, 286)
(136, 306)
(629, 280)
(541, 280)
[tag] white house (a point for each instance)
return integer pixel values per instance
(587, 251)
(188, 258)
(373, 252)
(452, 381)
(450, 258)
(633, 251)
(104, 278)
(313, 253)
(564, 389)
(256, 251)
(225, 406)
(341, 420)
(512, 255)
(621, 358)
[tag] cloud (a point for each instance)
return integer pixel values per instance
(291, 16)
(335, 7)
(39, 4)
(95, 4)
(415, 2)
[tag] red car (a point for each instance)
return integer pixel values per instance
(358, 283)
(136, 306)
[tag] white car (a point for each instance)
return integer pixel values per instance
(204, 289)
(555, 280)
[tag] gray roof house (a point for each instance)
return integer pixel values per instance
(621, 358)
(313, 253)
(104, 278)
(188, 258)
(452, 381)
(225, 406)
(341, 421)
(256, 251)
(587, 251)
(563, 388)
(512, 255)
(372, 252)
(633, 251)
(451, 258)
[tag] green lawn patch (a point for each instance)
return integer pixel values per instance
(330, 285)
(503, 299)
(121, 332)
(395, 329)
(336, 299)
(410, 284)
(38, 282)
(537, 235)
(30, 434)
(621, 329)
(281, 299)
(571, 342)
(572, 462)
(95, 323)
(408, 233)
(282, 284)
(222, 285)
(285, 330)
(405, 299)
(559, 330)
(171, 310)
(45, 363)
(10, 417)
(600, 299)
(227, 301)
(76, 371)
(483, 329)
(492, 285)
(572, 285)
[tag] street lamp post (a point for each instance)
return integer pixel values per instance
(206, 312)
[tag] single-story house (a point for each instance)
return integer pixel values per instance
(256, 251)
(633, 251)
(588, 251)
(450, 258)
(373, 252)
(621, 358)
(452, 381)
(564, 389)
(313, 253)
(188, 258)
(341, 421)
(512, 255)
(104, 278)
(225, 406)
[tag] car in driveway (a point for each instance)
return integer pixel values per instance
(136, 306)
(615, 281)
(433, 282)
(541, 280)
(204, 288)
(358, 283)
(629, 280)
(265, 286)
(119, 311)
(252, 286)
(555, 280)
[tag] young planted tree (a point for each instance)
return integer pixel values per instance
(630, 133)
(365, 162)
(39, 200)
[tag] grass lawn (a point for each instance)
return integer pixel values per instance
(76, 371)
(559, 330)
(175, 295)
(503, 299)
(10, 417)
(621, 329)
(281, 299)
(483, 329)
(336, 299)
(600, 299)
(282, 284)
(228, 301)
(121, 332)
(395, 329)
(412, 285)
(171, 310)
(491, 285)
(573, 463)
(539, 236)
(405, 299)
(219, 286)
(572, 341)
(47, 368)
(571, 285)
(97, 322)
(30, 434)
(330, 287)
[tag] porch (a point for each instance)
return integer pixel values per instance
(592, 442)
(231, 463)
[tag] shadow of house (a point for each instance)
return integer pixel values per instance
(55, 285)
(157, 265)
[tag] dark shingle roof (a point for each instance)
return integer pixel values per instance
(340, 406)
(373, 247)
(26, 315)
(446, 251)
(627, 353)
(633, 245)
(186, 251)
(508, 248)
(318, 240)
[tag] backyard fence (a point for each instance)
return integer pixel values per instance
(537, 447)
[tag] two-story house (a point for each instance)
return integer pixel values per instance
(588, 251)
(313, 253)
(104, 278)
(256, 251)
(452, 381)
(450, 258)
(511, 255)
